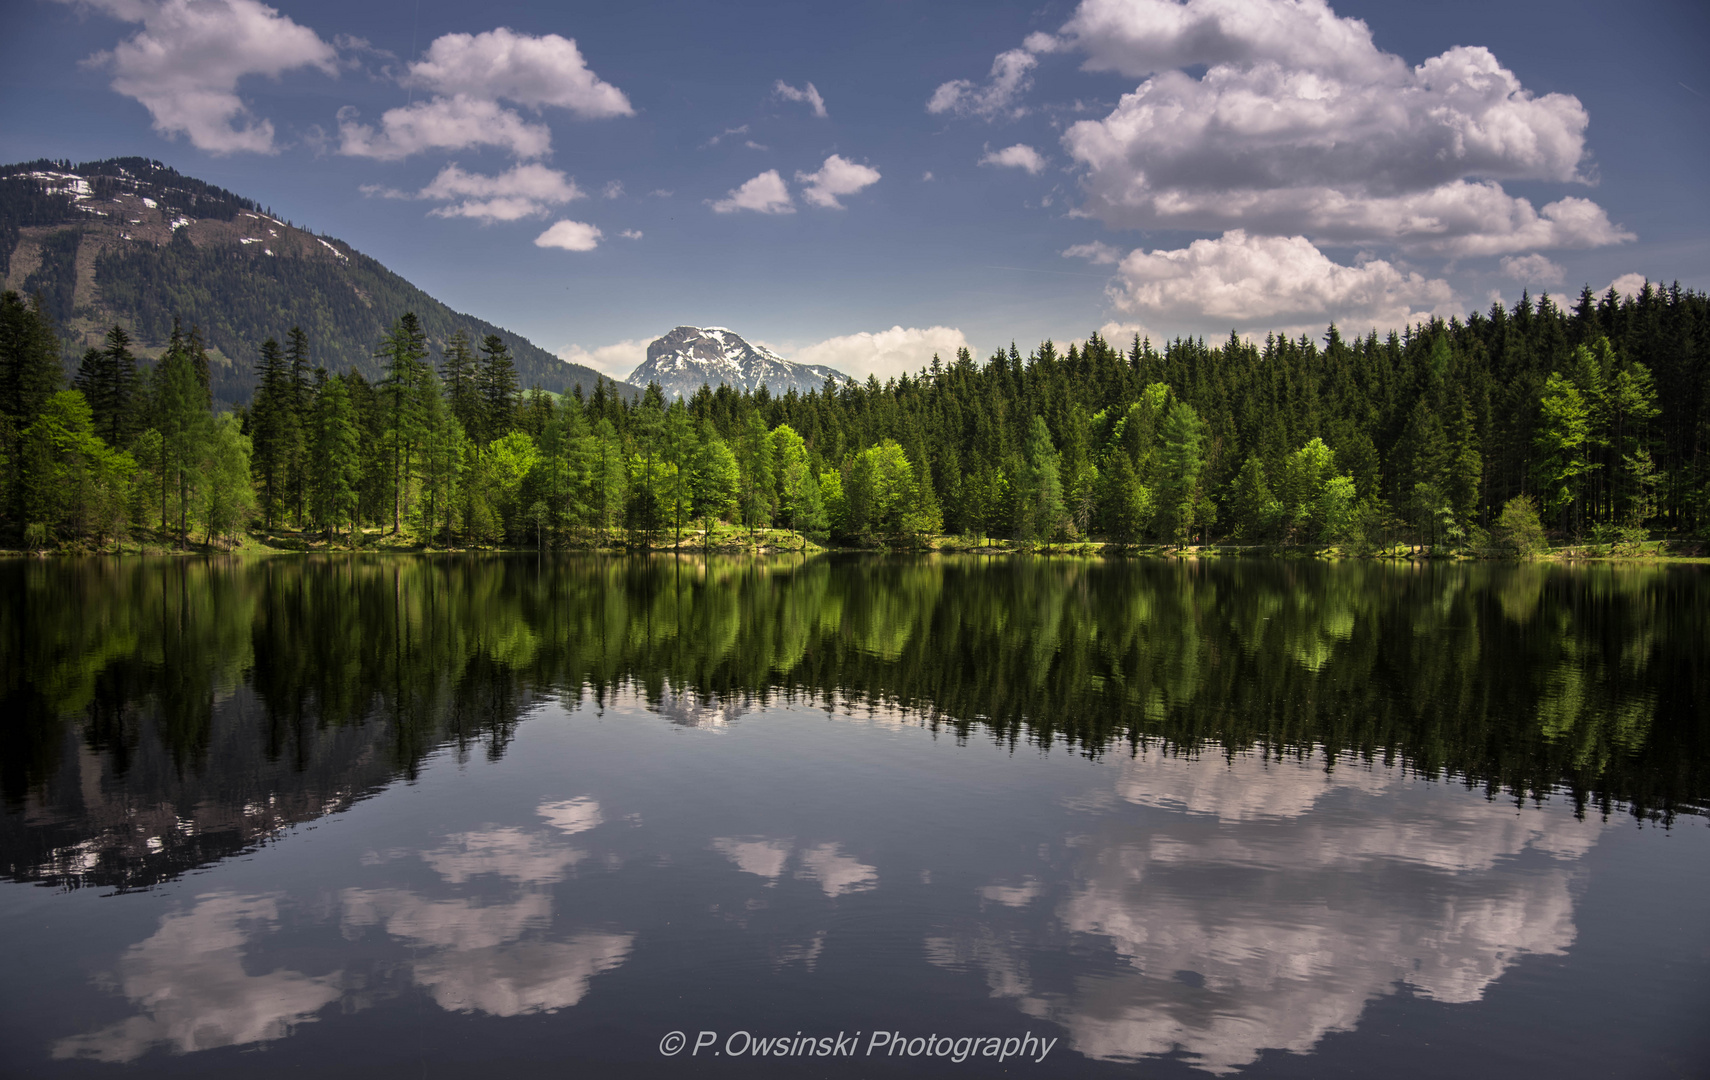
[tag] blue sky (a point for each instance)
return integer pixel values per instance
(864, 184)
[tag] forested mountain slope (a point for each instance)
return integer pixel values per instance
(133, 242)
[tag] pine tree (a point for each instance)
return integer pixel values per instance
(335, 475)
(1255, 510)
(299, 416)
(680, 448)
(30, 372)
(181, 416)
(401, 355)
(1181, 460)
(107, 378)
(270, 429)
(496, 385)
(458, 371)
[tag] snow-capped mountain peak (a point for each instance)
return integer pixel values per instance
(690, 356)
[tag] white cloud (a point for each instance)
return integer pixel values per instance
(1533, 270)
(808, 94)
(572, 815)
(525, 191)
(897, 351)
(570, 235)
(454, 123)
(838, 176)
(760, 857)
(741, 129)
(509, 853)
(185, 63)
(1260, 283)
(926, 177)
(194, 990)
(613, 189)
(1009, 80)
(1097, 252)
(1019, 156)
(764, 194)
(616, 360)
(631, 234)
(532, 71)
(836, 872)
(1301, 125)
(468, 75)
(1628, 285)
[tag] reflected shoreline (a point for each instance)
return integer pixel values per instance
(168, 713)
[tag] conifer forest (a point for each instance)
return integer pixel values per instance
(1489, 434)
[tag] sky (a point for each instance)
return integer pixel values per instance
(865, 184)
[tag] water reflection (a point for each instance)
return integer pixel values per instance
(1273, 903)
(165, 714)
(489, 946)
(1311, 787)
(192, 991)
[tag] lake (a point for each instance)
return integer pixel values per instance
(552, 816)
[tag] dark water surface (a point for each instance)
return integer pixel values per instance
(377, 816)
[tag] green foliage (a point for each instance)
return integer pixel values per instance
(1518, 528)
(1257, 513)
(74, 486)
(880, 491)
(1564, 427)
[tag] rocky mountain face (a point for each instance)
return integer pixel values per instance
(133, 242)
(691, 356)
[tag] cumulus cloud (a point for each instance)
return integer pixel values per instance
(1533, 270)
(838, 176)
(525, 191)
(468, 75)
(764, 194)
(808, 95)
(1629, 285)
(1308, 852)
(1300, 124)
(454, 123)
(185, 63)
(1019, 156)
(570, 235)
(613, 189)
(194, 991)
(1009, 79)
(1264, 282)
(616, 360)
(532, 71)
(886, 353)
(631, 234)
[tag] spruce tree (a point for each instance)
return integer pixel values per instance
(496, 385)
(107, 378)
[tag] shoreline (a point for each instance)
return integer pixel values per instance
(773, 542)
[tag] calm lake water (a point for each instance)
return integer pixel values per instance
(376, 816)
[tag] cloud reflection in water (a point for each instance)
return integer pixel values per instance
(1276, 902)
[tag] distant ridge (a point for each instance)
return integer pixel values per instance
(134, 242)
(688, 357)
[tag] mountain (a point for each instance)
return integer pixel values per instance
(690, 356)
(133, 242)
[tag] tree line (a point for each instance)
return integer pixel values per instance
(1453, 433)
